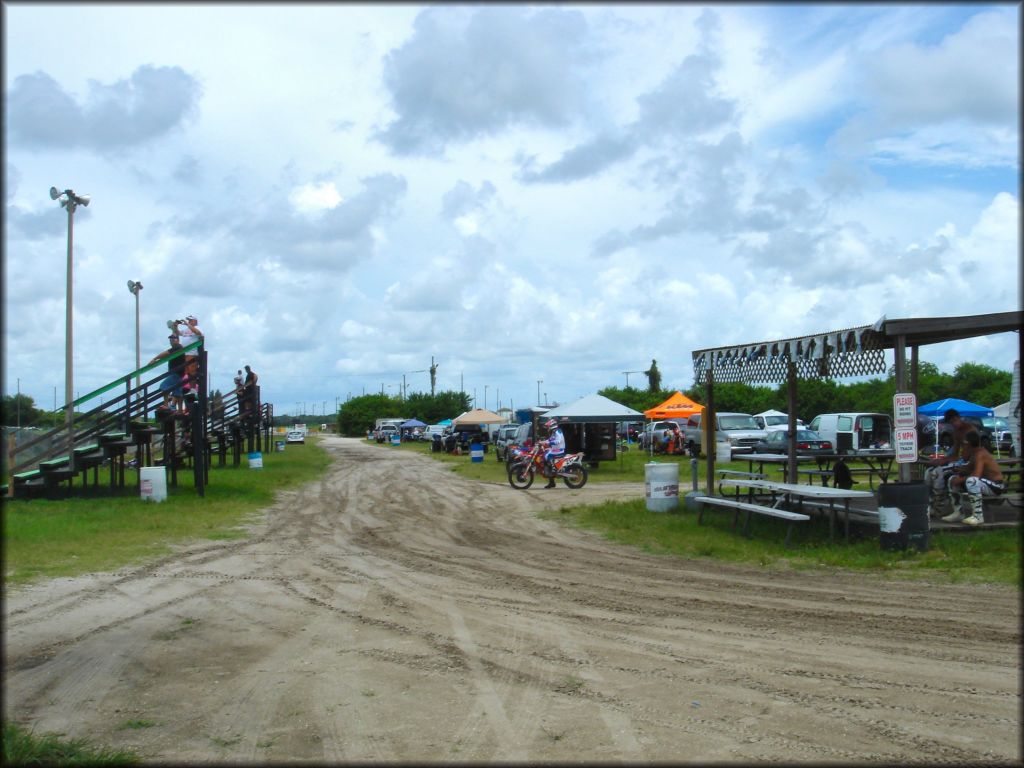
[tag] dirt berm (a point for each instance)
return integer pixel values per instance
(394, 612)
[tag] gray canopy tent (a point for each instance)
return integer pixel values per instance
(595, 416)
(845, 353)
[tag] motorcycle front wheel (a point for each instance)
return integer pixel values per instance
(575, 476)
(520, 476)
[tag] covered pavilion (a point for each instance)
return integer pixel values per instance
(845, 353)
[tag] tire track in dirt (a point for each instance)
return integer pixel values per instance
(392, 611)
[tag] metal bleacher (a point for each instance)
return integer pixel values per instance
(122, 427)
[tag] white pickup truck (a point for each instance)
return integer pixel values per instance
(738, 429)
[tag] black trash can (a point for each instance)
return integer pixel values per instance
(911, 499)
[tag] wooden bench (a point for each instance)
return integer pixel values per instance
(751, 509)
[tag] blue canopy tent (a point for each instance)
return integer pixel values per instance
(413, 423)
(937, 409)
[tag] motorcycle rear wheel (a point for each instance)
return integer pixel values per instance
(575, 476)
(520, 476)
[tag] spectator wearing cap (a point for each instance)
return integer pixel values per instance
(171, 385)
(942, 468)
(189, 333)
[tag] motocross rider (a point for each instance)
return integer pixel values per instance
(555, 448)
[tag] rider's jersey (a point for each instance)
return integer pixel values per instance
(556, 443)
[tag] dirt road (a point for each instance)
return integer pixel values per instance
(395, 612)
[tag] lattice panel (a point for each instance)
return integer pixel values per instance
(846, 353)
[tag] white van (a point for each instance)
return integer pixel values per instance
(853, 432)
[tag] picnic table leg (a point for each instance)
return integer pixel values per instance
(846, 521)
(789, 534)
(746, 525)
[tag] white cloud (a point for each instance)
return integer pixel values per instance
(342, 193)
(313, 198)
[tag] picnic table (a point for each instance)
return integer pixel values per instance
(796, 493)
(878, 463)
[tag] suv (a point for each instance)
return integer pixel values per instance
(506, 434)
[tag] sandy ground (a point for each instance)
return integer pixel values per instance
(394, 612)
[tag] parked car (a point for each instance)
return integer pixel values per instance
(808, 443)
(1002, 437)
(772, 421)
(386, 432)
(506, 435)
(655, 431)
(986, 427)
(295, 436)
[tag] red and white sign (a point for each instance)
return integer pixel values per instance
(906, 445)
(904, 408)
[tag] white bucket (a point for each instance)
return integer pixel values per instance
(153, 483)
(256, 460)
(723, 451)
(661, 485)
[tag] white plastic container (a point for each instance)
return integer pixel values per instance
(661, 485)
(153, 484)
(723, 450)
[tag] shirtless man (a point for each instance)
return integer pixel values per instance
(979, 477)
(936, 477)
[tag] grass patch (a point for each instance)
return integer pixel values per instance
(975, 556)
(47, 539)
(23, 747)
(135, 725)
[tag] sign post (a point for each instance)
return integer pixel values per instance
(904, 408)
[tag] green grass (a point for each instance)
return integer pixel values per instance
(22, 747)
(975, 556)
(47, 539)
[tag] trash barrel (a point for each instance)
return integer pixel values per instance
(255, 460)
(661, 485)
(723, 450)
(476, 452)
(396, 439)
(903, 516)
(280, 445)
(153, 483)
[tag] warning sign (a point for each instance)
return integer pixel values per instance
(906, 445)
(904, 409)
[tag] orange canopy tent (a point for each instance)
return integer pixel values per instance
(679, 406)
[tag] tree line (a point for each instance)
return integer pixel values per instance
(981, 384)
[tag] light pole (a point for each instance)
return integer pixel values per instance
(539, 382)
(134, 287)
(485, 396)
(68, 199)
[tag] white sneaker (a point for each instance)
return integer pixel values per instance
(973, 520)
(956, 517)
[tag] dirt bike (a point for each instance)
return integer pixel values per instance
(526, 464)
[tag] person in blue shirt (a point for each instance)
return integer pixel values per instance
(556, 448)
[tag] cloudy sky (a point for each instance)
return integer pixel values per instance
(553, 193)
